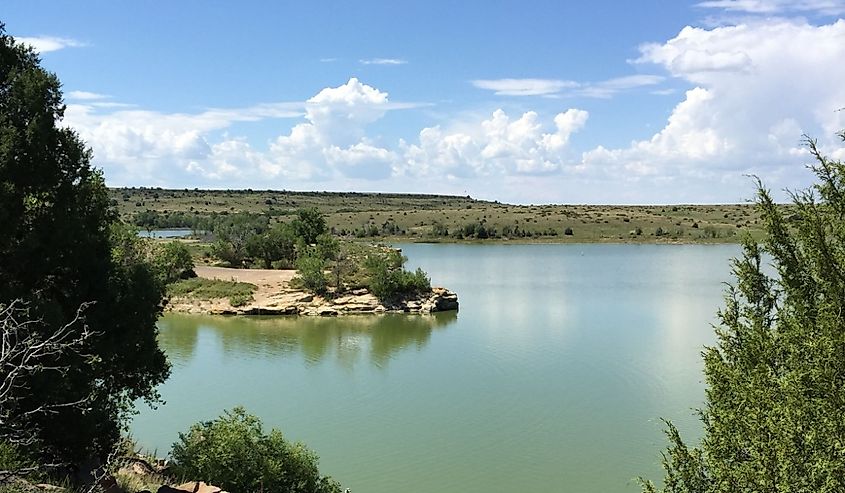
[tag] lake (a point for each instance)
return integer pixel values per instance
(164, 233)
(553, 376)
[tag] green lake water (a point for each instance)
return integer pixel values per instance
(551, 377)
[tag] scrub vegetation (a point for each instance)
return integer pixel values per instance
(442, 217)
(238, 293)
(233, 452)
(326, 264)
(776, 377)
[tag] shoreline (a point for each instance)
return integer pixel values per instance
(734, 240)
(555, 241)
(275, 296)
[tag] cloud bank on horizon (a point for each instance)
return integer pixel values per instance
(741, 91)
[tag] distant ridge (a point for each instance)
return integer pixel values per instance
(403, 217)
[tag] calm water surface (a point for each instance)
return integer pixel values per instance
(552, 377)
(164, 233)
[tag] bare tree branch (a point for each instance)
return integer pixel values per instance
(25, 351)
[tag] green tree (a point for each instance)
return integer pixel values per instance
(340, 267)
(327, 247)
(56, 256)
(233, 233)
(229, 252)
(773, 417)
(311, 269)
(309, 224)
(147, 219)
(278, 243)
(439, 229)
(169, 261)
(234, 453)
(388, 280)
(172, 261)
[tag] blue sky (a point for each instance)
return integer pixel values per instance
(526, 102)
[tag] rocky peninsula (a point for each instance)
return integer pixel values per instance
(274, 295)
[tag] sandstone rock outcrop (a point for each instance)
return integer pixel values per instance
(288, 301)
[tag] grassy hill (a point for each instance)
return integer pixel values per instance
(418, 217)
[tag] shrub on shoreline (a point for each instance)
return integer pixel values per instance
(389, 280)
(234, 453)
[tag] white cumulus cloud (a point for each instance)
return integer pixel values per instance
(756, 88)
(141, 146)
(152, 147)
(740, 98)
(499, 145)
(333, 139)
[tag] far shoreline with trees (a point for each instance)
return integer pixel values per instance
(388, 217)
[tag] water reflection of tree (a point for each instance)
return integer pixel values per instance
(177, 338)
(382, 336)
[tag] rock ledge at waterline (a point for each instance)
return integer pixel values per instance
(287, 301)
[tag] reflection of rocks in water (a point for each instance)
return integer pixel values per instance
(381, 336)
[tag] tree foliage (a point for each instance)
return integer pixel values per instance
(309, 224)
(327, 247)
(233, 233)
(773, 418)
(56, 256)
(241, 239)
(388, 280)
(276, 244)
(234, 453)
(311, 269)
(169, 261)
(172, 261)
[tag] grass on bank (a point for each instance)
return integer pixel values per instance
(238, 293)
